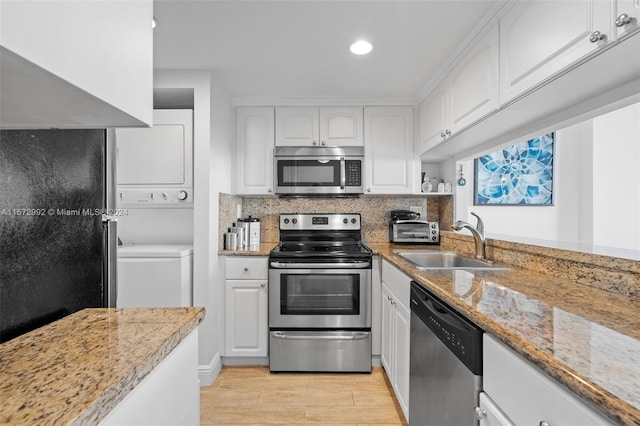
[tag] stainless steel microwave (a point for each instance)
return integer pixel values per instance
(318, 170)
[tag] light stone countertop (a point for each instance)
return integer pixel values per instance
(585, 338)
(77, 369)
(264, 250)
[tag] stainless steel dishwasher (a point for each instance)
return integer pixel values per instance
(445, 363)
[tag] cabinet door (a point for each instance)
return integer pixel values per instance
(402, 334)
(491, 413)
(254, 155)
(538, 39)
(433, 120)
(630, 25)
(388, 318)
(297, 126)
(246, 318)
(473, 91)
(391, 165)
(341, 126)
(528, 396)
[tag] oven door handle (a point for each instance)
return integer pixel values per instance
(358, 335)
(354, 265)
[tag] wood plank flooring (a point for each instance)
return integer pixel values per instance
(254, 396)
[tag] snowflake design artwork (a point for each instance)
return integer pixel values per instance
(519, 175)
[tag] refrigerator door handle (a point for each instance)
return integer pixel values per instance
(110, 261)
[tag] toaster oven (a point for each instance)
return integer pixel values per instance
(405, 226)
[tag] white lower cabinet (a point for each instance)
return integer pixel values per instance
(489, 414)
(246, 330)
(526, 396)
(396, 332)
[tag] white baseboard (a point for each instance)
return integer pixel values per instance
(207, 373)
(245, 361)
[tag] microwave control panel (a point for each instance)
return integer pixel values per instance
(353, 172)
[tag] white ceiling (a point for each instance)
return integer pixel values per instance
(300, 48)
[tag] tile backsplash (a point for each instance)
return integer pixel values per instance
(374, 210)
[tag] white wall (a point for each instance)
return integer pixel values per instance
(596, 190)
(617, 142)
(211, 120)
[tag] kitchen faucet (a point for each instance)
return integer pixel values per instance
(477, 232)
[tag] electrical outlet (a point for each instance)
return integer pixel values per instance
(238, 210)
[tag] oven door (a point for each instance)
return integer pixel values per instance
(308, 295)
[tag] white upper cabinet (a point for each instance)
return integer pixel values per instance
(541, 38)
(69, 64)
(434, 119)
(326, 126)
(626, 17)
(341, 126)
(390, 163)
(473, 91)
(254, 155)
(467, 95)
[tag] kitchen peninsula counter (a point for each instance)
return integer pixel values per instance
(77, 369)
(585, 338)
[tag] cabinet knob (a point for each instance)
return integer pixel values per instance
(315, 142)
(545, 423)
(269, 190)
(246, 269)
(448, 132)
(323, 143)
(623, 20)
(597, 36)
(443, 134)
(263, 285)
(480, 413)
(368, 189)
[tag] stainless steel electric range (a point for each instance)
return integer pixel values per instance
(320, 295)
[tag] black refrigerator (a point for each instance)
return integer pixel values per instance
(58, 236)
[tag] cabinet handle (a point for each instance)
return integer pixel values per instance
(246, 269)
(263, 285)
(480, 413)
(597, 36)
(623, 20)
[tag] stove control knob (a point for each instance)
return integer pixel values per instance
(294, 220)
(353, 220)
(345, 220)
(286, 221)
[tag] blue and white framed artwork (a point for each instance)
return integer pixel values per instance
(518, 175)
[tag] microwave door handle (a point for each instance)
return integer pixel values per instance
(343, 173)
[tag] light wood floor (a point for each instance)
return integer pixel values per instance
(254, 396)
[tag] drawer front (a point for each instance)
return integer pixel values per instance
(397, 281)
(526, 395)
(246, 268)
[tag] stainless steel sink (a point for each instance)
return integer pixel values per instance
(431, 259)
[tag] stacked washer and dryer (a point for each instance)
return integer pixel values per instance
(155, 212)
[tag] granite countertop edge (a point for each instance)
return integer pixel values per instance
(592, 394)
(109, 399)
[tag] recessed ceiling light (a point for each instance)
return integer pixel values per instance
(361, 47)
